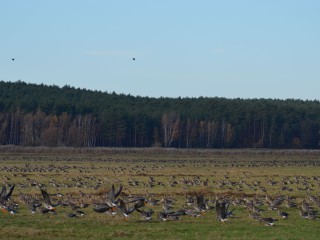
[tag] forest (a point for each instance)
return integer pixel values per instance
(42, 115)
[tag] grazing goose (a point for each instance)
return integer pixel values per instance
(283, 214)
(268, 221)
(75, 214)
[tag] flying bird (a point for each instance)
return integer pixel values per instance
(12, 59)
(48, 206)
(111, 196)
(133, 59)
(5, 196)
(222, 207)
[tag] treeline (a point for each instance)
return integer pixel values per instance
(40, 115)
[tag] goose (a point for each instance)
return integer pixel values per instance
(112, 196)
(194, 213)
(189, 200)
(5, 197)
(126, 211)
(146, 214)
(103, 207)
(283, 214)
(48, 206)
(75, 214)
(172, 215)
(312, 215)
(201, 203)
(222, 210)
(267, 221)
(139, 202)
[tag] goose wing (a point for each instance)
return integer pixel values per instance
(122, 206)
(46, 196)
(8, 195)
(118, 192)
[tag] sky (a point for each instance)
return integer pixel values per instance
(182, 48)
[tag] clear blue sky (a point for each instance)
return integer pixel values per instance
(231, 48)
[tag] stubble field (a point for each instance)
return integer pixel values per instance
(250, 181)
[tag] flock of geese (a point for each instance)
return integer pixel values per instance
(116, 202)
(234, 196)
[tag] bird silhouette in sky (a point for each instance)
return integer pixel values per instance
(12, 59)
(133, 59)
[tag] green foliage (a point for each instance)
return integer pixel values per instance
(118, 120)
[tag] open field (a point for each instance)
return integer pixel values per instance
(76, 177)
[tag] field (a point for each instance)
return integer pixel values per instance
(82, 177)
